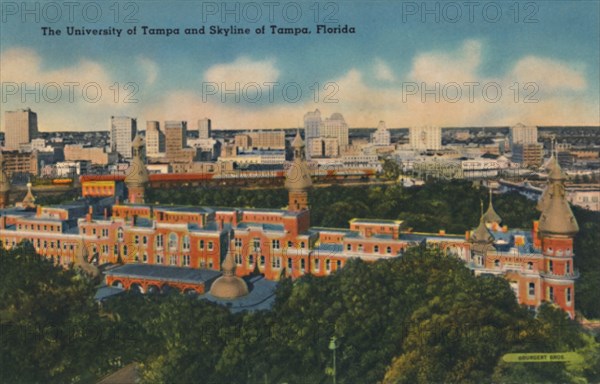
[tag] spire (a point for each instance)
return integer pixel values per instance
(557, 217)
(29, 199)
(137, 174)
(490, 216)
(298, 176)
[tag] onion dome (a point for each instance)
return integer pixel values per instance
(137, 174)
(557, 217)
(4, 179)
(481, 234)
(490, 216)
(29, 199)
(297, 177)
(555, 174)
(229, 286)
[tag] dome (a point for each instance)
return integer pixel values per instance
(297, 177)
(481, 234)
(229, 287)
(337, 116)
(490, 216)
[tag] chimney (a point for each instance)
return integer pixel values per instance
(88, 217)
(38, 211)
(105, 213)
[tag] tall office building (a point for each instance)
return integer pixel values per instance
(20, 127)
(155, 139)
(204, 128)
(335, 127)
(122, 131)
(176, 141)
(312, 123)
(523, 134)
(425, 138)
(382, 135)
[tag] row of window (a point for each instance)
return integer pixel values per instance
(276, 262)
(549, 293)
(39, 227)
(360, 248)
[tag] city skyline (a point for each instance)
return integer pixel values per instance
(174, 77)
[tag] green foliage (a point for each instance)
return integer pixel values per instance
(50, 322)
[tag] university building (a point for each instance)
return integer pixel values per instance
(154, 247)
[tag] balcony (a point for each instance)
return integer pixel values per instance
(570, 276)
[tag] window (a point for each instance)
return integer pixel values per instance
(289, 263)
(159, 241)
(551, 293)
(145, 240)
(105, 232)
(290, 244)
(302, 244)
(530, 265)
(360, 248)
(276, 244)
(497, 263)
(186, 243)
(125, 250)
(568, 295)
(119, 234)
(550, 266)
(173, 260)
(338, 264)
(316, 264)
(276, 262)
(376, 249)
(531, 291)
(210, 245)
(568, 267)
(93, 230)
(238, 242)
(136, 239)
(186, 260)
(256, 243)
(328, 265)
(238, 259)
(159, 259)
(250, 260)
(262, 260)
(349, 247)
(388, 250)
(145, 257)
(201, 245)
(173, 241)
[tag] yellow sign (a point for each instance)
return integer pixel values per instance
(542, 357)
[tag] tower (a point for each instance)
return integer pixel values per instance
(490, 217)
(137, 175)
(297, 178)
(29, 199)
(4, 183)
(481, 241)
(556, 229)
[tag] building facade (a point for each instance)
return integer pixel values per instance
(122, 131)
(425, 138)
(155, 139)
(20, 127)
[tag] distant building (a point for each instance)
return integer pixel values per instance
(95, 155)
(21, 162)
(122, 131)
(176, 142)
(528, 155)
(312, 123)
(335, 127)
(20, 127)
(522, 134)
(381, 136)
(155, 139)
(425, 138)
(204, 128)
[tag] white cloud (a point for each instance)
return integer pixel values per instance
(552, 74)
(243, 71)
(383, 71)
(150, 69)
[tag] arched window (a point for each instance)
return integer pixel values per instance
(530, 265)
(172, 240)
(186, 242)
(120, 234)
(497, 263)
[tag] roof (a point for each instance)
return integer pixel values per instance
(557, 217)
(261, 296)
(375, 221)
(166, 273)
(481, 234)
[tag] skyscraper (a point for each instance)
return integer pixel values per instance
(155, 139)
(176, 141)
(312, 123)
(381, 136)
(204, 128)
(20, 127)
(122, 131)
(522, 134)
(425, 138)
(335, 127)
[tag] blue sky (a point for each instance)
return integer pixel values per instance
(547, 54)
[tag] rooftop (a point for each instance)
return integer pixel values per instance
(166, 273)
